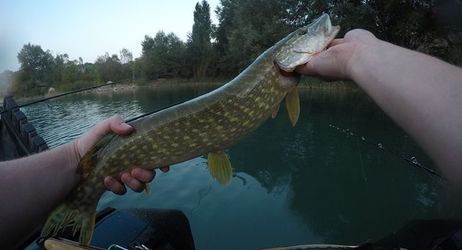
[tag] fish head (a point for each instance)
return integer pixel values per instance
(297, 49)
(301, 45)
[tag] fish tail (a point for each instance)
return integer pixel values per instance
(82, 220)
(78, 210)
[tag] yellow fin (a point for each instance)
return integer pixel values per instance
(220, 167)
(275, 111)
(293, 105)
(81, 218)
(147, 188)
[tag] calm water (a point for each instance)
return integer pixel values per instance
(309, 184)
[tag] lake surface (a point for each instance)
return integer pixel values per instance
(327, 180)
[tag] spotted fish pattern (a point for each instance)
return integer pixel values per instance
(207, 124)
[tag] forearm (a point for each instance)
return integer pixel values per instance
(30, 187)
(421, 93)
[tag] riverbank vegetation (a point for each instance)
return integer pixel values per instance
(245, 29)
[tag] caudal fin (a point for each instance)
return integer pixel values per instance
(82, 220)
(79, 208)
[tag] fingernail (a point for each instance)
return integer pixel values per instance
(109, 181)
(125, 125)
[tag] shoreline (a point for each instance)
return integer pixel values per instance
(305, 85)
(117, 88)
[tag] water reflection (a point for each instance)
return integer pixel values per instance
(343, 188)
(64, 119)
(307, 184)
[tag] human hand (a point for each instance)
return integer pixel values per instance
(134, 178)
(341, 56)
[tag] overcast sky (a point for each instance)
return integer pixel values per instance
(88, 28)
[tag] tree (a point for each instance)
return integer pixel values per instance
(200, 51)
(125, 56)
(109, 68)
(128, 66)
(225, 13)
(164, 56)
(58, 67)
(36, 66)
(71, 72)
(246, 29)
(90, 73)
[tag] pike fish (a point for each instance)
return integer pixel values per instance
(208, 124)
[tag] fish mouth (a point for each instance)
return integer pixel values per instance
(285, 73)
(323, 24)
(290, 74)
(304, 43)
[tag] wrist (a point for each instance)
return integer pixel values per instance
(72, 155)
(363, 59)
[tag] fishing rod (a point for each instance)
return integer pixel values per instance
(412, 160)
(64, 94)
(90, 88)
(2, 110)
(152, 112)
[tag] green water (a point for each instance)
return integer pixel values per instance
(319, 182)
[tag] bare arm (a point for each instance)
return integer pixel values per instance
(420, 93)
(31, 187)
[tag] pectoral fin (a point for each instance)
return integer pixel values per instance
(220, 167)
(293, 105)
(275, 111)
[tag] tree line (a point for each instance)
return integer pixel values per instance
(245, 29)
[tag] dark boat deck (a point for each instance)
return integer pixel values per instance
(18, 137)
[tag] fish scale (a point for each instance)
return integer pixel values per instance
(214, 128)
(210, 123)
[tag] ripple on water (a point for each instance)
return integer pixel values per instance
(308, 184)
(61, 121)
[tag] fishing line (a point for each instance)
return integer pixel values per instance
(412, 160)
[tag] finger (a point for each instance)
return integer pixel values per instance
(329, 64)
(359, 35)
(336, 42)
(114, 124)
(143, 175)
(132, 183)
(165, 169)
(307, 68)
(312, 66)
(118, 126)
(114, 185)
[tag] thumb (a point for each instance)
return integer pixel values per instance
(315, 66)
(114, 124)
(329, 64)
